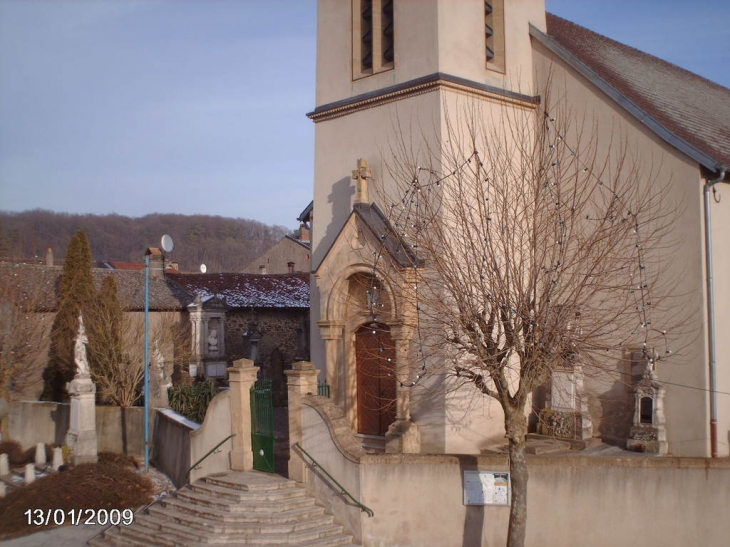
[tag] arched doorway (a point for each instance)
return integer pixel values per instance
(376, 381)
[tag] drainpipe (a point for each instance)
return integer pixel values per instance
(711, 312)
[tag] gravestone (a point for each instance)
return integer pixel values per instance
(57, 458)
(29, 473)
(40, 455)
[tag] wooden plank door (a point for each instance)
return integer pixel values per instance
(376, 381)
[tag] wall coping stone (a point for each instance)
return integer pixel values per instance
(338, 425)
(647, 462)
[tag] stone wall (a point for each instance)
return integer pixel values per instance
(278, 328)
(119, 430)
(573, 501)
(171, 445)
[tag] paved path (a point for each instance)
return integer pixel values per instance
(65, 536)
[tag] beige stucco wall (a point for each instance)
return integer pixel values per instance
(418, 500)
(215, 427)
(430, 36)
(720, 215)
(682, 314)
(318, 442)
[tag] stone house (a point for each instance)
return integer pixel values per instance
(265, 315)
(234, 315)
(290, 254)
(384, 64)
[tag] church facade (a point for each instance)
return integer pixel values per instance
(392, 76)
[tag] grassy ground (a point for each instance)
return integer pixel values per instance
(113, 483)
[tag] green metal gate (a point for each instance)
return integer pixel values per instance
(262, 426)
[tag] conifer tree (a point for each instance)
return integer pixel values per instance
(77, 291)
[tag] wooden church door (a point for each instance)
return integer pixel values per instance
(376, 382)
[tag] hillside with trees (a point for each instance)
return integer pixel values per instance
(222, 244)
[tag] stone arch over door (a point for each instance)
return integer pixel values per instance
(376, 379)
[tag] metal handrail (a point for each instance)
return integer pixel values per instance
(211, 451)
(316, 464)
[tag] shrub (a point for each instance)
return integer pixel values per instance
(192, 400)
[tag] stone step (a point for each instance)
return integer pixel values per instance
(226, 510)
(237, 494)
(170, 514)
(231, 509)
(250, 481)
(293, 538)
(332, 541)
(184, 529)
(144, 535)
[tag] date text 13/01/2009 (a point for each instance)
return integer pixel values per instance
(76, 517)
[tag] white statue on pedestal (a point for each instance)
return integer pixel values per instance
(80, 358)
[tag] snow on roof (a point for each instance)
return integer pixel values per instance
(239, 290)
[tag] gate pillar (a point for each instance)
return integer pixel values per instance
(301, 380)
(241, 376)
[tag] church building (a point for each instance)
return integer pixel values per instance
(392, 77)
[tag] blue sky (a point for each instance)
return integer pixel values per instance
(198, 106)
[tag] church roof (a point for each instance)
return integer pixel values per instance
(240, 290)
(689, 112)
(392, 242)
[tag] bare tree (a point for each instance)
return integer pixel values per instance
(25, 322)
(116, 345)
(540, 252)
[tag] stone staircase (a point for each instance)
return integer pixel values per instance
(234, 508)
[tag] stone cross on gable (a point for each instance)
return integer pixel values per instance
(361, 176)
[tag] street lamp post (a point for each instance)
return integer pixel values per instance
(146, 363)
(167, 246)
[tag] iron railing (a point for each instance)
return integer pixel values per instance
(210, 452)
(315, 464)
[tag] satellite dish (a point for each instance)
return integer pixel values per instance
(167, 244)
(203, 268)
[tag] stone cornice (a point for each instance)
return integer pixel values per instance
(419, 86)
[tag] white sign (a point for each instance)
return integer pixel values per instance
(486, 488)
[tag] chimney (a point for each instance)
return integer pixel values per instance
(157, 261)
(49, 257)
(304, 233)
(262, 269)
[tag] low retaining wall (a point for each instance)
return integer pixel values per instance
(179, 442)
(572, 501)
(119, 430)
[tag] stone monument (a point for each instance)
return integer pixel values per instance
(81, 436)
(161, 383)
(566, 415)
(648, 433)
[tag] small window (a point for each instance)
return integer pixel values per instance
(494, 34)
(373, 32)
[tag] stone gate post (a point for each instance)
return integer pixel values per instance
(241, 376)
(301, 380)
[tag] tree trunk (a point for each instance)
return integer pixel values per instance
(517, 430)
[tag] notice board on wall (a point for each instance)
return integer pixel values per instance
(487, 488)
